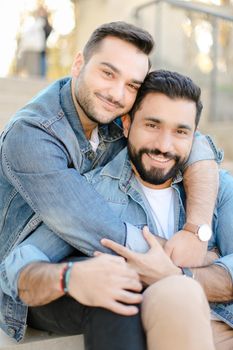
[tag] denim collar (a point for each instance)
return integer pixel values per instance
(107, 133)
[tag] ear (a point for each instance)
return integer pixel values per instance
(77, 64)
(126, 121)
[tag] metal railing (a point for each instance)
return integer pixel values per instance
(214, 16)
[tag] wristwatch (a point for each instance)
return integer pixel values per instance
(203, 232)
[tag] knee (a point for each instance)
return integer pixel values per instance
(179, 288)
(174, 294)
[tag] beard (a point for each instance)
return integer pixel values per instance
(154, 176)
(86, 100)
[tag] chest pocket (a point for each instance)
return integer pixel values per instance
(134, 214)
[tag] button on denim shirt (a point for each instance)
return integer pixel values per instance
(117, 184)
(44, 151)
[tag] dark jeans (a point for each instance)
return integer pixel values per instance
(102, 329)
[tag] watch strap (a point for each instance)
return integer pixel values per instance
(191, 228)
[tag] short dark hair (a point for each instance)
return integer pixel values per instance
(122, 30)
(171, 84)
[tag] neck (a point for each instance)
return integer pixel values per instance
(87, 124)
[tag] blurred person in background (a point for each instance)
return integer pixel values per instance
(47, 28)
(32, 60)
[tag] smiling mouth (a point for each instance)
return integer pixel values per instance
(109, 104)
(159, 158)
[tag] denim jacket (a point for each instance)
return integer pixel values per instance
(43, 153)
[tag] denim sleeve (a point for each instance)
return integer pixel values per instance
(227, 263)
(10, 268)
(40, 171)
(41, 245)
(223, 222)
(204, 149)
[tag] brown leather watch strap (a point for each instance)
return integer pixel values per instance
(191, 228)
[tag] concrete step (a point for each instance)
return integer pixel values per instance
(15, 93)
(26, 85)
(38, 340)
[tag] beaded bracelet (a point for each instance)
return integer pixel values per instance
(65, 277)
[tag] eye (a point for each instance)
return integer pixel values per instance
(108, 73)
(133, 87)
(182, 132)
(152, 125)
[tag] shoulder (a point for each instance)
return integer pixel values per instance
(225, 186)
(42, 109)
(32, 122)
(225, 178)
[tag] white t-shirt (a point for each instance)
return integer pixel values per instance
(162, 208)
(161, 203)
(94, 140)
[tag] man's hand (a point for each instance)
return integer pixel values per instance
(106, 281)
(152, 265)
(211, 256)
(186, 250)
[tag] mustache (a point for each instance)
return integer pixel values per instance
(111, 100)
(157, 152)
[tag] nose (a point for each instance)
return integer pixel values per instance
(163, 141)
(117, 91)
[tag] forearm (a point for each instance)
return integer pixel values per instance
(81, 215)
(201, 186)
(216, 282)
(39, 283)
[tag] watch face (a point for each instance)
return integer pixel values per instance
(204, 233)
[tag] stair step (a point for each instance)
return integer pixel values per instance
(15, 93)
(28, 86)
(38, 340)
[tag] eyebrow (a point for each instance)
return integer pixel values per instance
(178, 126)
(116, 70)
(184, 126)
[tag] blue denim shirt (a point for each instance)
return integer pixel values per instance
(116, 182)
(44, 151)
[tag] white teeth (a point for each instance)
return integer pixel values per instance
(160, 159)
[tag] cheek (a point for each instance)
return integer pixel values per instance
(129, 99)
(184, 148)
(134, 139)
(94, 80)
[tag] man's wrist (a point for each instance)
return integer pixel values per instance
(177, 270)
(187, 272)
(203, 231)
(65, 277)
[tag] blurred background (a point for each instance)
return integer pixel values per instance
(39, 38)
